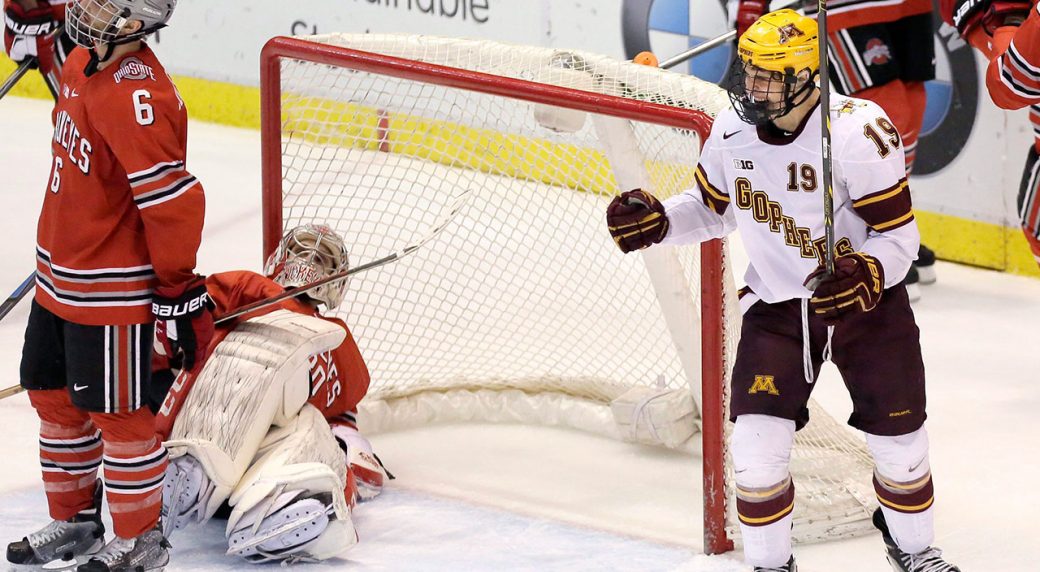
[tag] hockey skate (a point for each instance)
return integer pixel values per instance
(62, 543)
(928, 560)
(145, 553)
(789, 567)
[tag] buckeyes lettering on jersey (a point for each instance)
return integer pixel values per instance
(121, 213)
(772, 181)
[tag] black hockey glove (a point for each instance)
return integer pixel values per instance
(184, 322)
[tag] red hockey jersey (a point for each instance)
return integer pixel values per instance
(339, 379)
(121, 213)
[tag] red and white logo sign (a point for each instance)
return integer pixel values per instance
(877, 52)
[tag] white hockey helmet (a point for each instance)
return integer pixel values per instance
(90, 21)
(308, 253)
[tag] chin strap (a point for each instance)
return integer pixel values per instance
(96, 59)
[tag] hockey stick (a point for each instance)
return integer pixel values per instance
(709, 44)
(17, 295)
(825, 111)
(454, 209)
(16, 75)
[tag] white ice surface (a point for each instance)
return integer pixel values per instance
(522, 498)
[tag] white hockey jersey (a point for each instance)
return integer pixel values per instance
(768, 185)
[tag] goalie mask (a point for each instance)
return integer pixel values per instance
(89, 22)
(776, 66)
(309, 253)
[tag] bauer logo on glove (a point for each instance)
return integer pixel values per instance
(636, 220)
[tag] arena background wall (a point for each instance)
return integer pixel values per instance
(970, 157)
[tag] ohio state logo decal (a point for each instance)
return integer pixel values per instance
(133, 68)
(877, 53)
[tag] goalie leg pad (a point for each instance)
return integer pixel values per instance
(258, 375)
(281, 530)
(761, 447)
(298, 465)
(903, 483)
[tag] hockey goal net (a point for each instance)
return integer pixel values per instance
(522, 309)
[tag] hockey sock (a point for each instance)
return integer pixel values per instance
(135, 464)
(903, 484)
(70, 453)
(761, 448)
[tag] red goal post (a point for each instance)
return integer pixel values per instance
(712, 344)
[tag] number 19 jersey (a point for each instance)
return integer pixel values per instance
(769, 185)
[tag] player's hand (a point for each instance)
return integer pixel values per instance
(855, 287)
(636, 220)
(27, 34)
(184, 322)
(748, 12)
(986, 15)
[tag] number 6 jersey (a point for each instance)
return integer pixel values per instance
(769, 185)
(121, 213)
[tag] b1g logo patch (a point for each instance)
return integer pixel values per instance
(133, 68)
(743, 164)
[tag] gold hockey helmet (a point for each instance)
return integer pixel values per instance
(778, 59)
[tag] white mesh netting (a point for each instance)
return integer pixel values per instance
(522, 309)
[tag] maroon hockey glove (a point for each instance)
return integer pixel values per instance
(969, 15)
(636, 220)
(184, 322)
(748, 12)
(855, 286)
(27, 34)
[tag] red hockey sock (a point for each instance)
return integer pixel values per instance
(70, 452)
(135, 464)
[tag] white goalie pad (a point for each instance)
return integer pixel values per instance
(299, 467)
(654, 416)
(258, 375)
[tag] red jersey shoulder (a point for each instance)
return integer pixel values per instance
(135, 91)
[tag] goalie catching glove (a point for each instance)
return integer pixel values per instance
(636, 220)
(855, 286)
(986, 15)
(184, 322)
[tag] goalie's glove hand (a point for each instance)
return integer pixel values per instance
(748, 12)
(968, 16)
(855, 287)
(636, 220)
(27, 34)
(184, 322)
